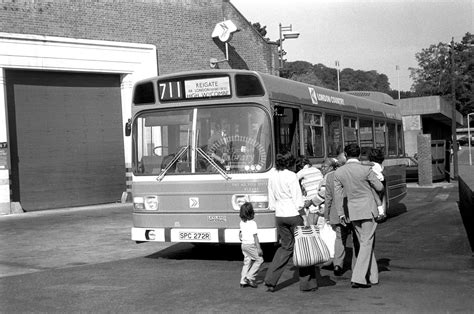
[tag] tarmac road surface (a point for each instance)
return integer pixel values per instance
(82, 260)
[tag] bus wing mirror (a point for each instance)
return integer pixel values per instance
(128, 127)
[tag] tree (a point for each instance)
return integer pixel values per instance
(433, 76)
(298, 71)
(465, 71)
(436, 72)
(261, 29)
(308, 78)
(298, 67)
(323, 76)
(363, 80)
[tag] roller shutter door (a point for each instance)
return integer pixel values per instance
(65, 136)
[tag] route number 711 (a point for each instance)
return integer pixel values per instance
(170, 90)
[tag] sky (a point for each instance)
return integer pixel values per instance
(363, 34)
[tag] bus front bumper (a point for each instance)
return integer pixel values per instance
(265, 235)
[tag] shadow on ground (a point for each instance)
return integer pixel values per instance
(397, 210)
(206, 251)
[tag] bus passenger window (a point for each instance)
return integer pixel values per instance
(392, 139)
(380, 136)
(333, 135)
(401, 151)
(350, 131)
(366, 136)
(313, 135)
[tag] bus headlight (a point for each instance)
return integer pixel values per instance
(149, 202)
(258, 201)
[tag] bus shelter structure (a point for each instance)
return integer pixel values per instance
(429, 115)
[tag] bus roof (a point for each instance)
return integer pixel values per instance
(288, 91)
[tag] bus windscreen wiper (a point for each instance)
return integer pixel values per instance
(213, 163)
(172, 162)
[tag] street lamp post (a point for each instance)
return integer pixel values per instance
(453, 114)
(338, 84)
(284, 36)
(469, 136)
(398, 80)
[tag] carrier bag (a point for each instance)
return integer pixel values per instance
(329, 237)
(309, 248)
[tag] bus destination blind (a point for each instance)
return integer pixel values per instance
(193, 89)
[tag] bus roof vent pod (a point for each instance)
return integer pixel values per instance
(376, 96)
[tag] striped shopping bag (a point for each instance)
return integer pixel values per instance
(309, 248)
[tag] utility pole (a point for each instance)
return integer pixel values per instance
(281, 51)
(283, 36)
(453, 114)
(469, 136)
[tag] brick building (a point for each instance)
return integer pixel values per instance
(67, 68)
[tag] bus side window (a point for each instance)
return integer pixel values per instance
(313, 135)
(392, 139)
(401, 151)
(333, 135)
(350, 131)
(380, 135)
(366, 135)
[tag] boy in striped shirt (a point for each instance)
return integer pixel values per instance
(310, 178)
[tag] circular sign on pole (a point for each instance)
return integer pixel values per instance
(224, 30)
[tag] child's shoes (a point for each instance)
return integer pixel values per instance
(251, 283)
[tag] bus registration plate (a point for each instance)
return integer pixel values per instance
(194, 236)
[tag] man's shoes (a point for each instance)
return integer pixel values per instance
(244, 285)
(251, 283)
(270, 288)
(310, 290)
(356, 285)
(380, 218)
(337, 271)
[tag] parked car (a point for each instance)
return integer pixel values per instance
(464, 141)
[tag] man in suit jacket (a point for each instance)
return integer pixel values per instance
(356, 182)
(332, 217)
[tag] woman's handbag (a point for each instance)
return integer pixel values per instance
(309, 248)
(329, 237)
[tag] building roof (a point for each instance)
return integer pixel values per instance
(434, 107)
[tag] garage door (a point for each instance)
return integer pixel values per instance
(65, 137)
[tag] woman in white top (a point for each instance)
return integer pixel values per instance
(286, 199)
